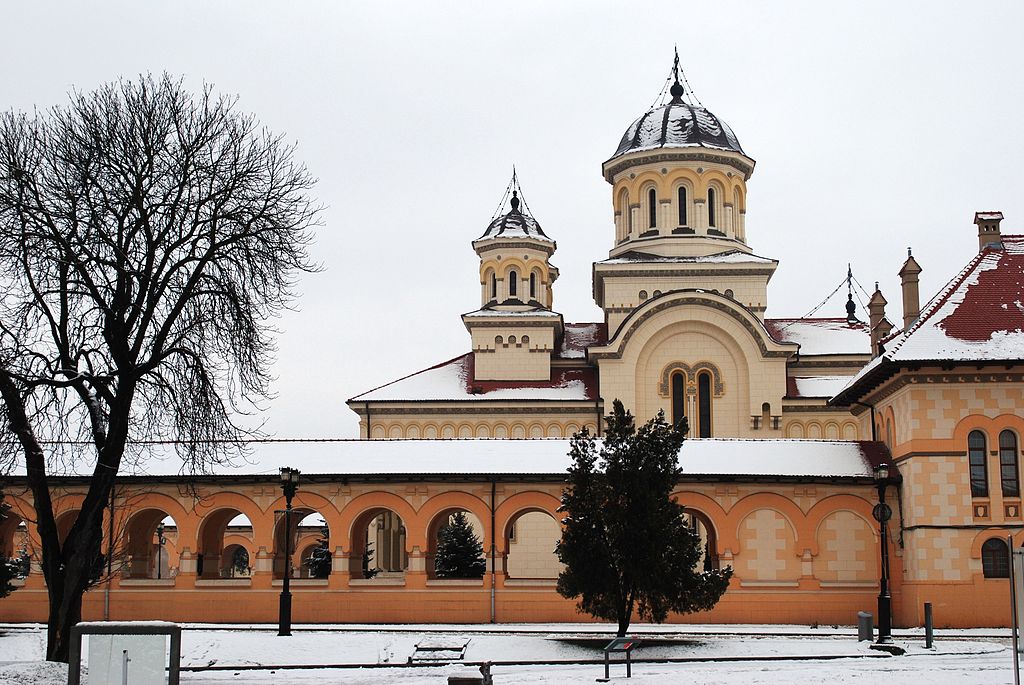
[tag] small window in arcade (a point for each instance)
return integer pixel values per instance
(704, 405)
(711, 207)
(678, 399)
(995, 558)
(976, 459)
(513, 283)
(681, 198)
(533, 285)
(652, 209)
(1008, 464)
(494, 286)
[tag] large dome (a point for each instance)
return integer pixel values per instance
(678, 124)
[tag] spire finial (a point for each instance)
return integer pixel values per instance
(515, 201)
(677, 87)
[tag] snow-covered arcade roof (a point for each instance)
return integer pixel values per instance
(707, 458)
(822, 336)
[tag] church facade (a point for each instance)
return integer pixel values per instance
(791, 422)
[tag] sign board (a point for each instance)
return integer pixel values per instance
(144, 657)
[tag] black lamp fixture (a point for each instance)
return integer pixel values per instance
(882, 513)
(289, 483)
(160, 542)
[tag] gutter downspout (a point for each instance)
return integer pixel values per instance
(494, 561)
(597, 410)
(899, 483)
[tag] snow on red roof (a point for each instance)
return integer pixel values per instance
(822, 336)
(453, 380)
(978, 316)
(579, 336)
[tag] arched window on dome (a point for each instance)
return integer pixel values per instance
(513, 283)
(652, 208)
(712, 219)
(976, 460)
(494, 286)
(1008, 464)
(678, 398)
(704, 412)
(625, 222)
(533, 285)
(681, 204)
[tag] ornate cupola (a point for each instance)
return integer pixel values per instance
(515, 331)
(679, 179)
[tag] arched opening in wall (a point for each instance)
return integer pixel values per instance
(652, 208)
(622, 224)
(239, 562)
(310, 536)
(678, 399)
(704, 409)
(530, 540)
(736, 204)
(995, 559)
(701, 525)
(15, 544)
(64, 521)
(766, 415)
(888, 433)
(712, 208)
(682, 205)
(151, 545)
(456, 559)
(219, 528)
(513, 283)
(1008, 476)
(378, 545)
(977, 465)
(533, 285)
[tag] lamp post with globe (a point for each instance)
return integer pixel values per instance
(882, 513)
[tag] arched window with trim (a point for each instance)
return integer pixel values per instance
(995, 558)
(678, 398)
(624, 221)
(704, 405)
(1008, 464)
(976, 461)
(513, 283)
(712, 219)
(533, 285)
(652, 208)
(681, 202)
(494, 286)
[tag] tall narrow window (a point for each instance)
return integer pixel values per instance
(681, 201)
(1008, 464)
(494, 286)
(652, 209)
(976, 459)
(704, 405)
(533, 285)
(513, 283)
(995, 559)
(678, 399)
(711, 207)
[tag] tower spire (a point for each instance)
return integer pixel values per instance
(677, 89)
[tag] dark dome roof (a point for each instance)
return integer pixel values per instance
(678, 124)
(515, 224)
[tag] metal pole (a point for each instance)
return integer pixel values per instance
(884, 600)
(285, 622)
(1013, 611)
(929, 634)
(494, 554)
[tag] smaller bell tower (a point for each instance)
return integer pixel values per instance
(515, 330)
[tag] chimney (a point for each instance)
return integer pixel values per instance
(988, 229)
(911, 295)
(879, 325)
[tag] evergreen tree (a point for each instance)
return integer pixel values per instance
(319, 562)
(459, 552)
(367, 560)
(625, 543)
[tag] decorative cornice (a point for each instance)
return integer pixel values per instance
(586, 410)
(681, 155)
(814, 409)
(642, 273)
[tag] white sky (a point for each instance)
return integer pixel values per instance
(874, 125)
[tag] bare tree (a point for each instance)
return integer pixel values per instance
(147, 237)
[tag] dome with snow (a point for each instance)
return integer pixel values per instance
(678, 124)
(514, 224)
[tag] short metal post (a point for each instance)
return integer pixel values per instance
(629, 668)
(929, 634)
(606, 676)
(124, 666)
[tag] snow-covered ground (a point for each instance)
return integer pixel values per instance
(747, 653)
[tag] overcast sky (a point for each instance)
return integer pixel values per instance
(875, 126)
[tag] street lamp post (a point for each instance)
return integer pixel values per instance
(289, 483)
(882, 513)
(160, 540)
